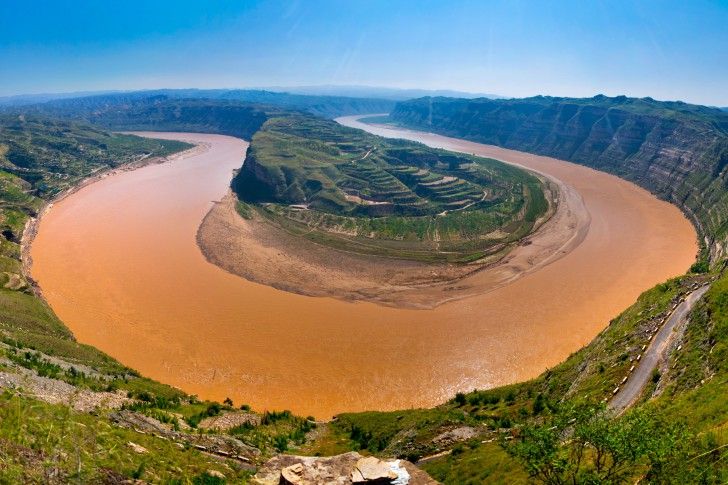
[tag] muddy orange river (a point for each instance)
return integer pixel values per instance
(119, 263)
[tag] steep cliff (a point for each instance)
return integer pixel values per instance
(676, 150)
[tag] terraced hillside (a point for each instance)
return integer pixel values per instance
(676, 150)
(366, 194)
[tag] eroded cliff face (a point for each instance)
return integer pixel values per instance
(258, 181)
(675, 150)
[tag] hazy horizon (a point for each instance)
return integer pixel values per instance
(665, 50)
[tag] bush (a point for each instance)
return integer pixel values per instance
(656, 376)
(538, 404)
(280, 443)
(207, 479)
(270, 417)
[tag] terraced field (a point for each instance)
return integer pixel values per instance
(359, 192)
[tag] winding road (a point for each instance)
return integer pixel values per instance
(632, 389)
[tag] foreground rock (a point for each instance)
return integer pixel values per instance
(349, 468)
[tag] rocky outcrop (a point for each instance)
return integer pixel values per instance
(226, 421)
(463, 433)
(217, 444)
(349, 468)
(676, 150)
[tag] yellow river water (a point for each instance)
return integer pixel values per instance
(119, 263)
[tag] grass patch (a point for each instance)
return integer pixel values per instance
(41, 440)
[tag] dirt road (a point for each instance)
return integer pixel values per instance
(631, 390)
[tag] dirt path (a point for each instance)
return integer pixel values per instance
(631, 390)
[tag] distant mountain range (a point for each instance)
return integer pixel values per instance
(25, 99)
(251, 94)
(88, 106)
(397, 94)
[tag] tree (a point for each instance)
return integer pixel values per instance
(585, 444)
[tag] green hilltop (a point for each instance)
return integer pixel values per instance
(41, 157)
(393, 198)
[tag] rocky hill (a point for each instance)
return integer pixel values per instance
(676, 150)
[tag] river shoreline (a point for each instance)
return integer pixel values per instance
(264, 253)
(137, 287)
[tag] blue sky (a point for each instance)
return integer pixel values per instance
(664, 49)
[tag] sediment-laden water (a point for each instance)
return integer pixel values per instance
(119, 263)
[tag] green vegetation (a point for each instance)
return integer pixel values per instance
(46, 443)
(696, 384)
(41, 442)
(475, 463)
(554, 429)
(581, 444)
(39, 158)
(276, 432)
(50, 156)
(359, 192)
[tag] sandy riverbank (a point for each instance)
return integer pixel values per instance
(261, 252)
